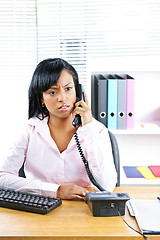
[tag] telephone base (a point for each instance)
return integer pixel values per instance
(105, 204)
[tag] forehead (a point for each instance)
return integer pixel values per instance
(65, 78)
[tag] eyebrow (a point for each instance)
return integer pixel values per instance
(55, 87)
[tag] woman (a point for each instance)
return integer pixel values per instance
(52, 162)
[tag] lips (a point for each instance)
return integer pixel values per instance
(63, 107)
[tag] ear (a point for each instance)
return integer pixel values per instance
(42, 101)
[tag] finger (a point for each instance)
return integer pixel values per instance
(80, 103)
(77, 110)
(85, 98)
(81, 191)
(78, 197)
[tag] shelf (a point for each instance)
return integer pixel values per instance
(150, 129)
(136, 131)
(138, 181)
(138, 146)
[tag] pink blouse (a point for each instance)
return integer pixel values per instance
(46, 168)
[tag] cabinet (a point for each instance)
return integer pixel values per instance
(139, 146)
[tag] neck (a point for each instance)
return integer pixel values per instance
(60, 123)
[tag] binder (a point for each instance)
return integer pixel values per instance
(146, 172)
(93, 95)
(155, 170)
(150, 172)
(112, 102)
(147, 214)
(101, 99)
(93, 98)
(130, 91)
(121, 108)
(132, 172)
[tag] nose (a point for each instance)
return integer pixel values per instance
(61, 95)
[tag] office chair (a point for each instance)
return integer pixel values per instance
(115, 152)
(21, 172)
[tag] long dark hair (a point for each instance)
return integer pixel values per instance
(46, 75)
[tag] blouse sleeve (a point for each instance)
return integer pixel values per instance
(98, 152)
(12, 162)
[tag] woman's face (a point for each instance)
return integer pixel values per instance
(59, 99)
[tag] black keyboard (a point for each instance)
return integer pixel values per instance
(28, 202)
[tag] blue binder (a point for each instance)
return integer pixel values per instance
(132, 172)
(112, 102)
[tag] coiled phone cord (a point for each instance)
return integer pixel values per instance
(94, 181)
(86, 163)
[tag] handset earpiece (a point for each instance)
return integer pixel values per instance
(77, 121)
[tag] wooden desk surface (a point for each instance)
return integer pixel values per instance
(73, 220)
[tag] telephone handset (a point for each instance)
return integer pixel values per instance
(77, 121)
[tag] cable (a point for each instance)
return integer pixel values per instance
(86, 163)
(94, 181)
(130, 226)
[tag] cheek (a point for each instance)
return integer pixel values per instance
(73, 99)
(74, 96)
(50, 105)
(49, 101)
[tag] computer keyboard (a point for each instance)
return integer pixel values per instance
(28, 202)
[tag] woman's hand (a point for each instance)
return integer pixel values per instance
(82, 108)
(71, 191)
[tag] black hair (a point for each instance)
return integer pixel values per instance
(46, 75)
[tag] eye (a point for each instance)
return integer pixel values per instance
(68, 88)
(52, 93)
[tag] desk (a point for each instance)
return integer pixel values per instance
(73, 220)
